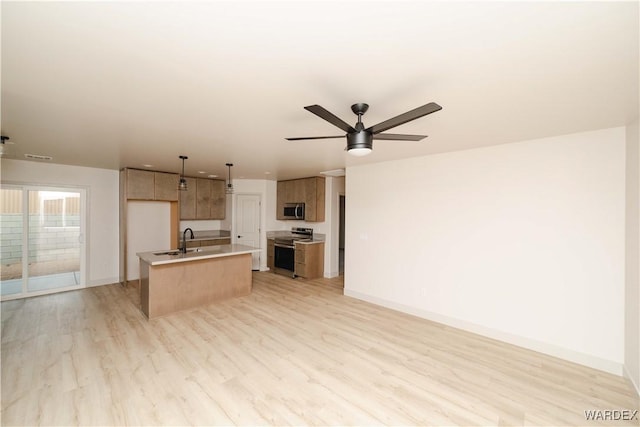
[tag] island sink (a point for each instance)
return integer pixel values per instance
(177, 252)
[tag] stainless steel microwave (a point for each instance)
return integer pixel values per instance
(293, 211)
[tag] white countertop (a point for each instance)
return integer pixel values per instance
(159, 257)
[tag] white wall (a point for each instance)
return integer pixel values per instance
(523, 242)
(102, 205)
(632, 277)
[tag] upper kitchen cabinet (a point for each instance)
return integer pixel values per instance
(309, 191)
(204, 199)
(218, 199)
(150, 185)
(314, 198)
(188, 200)
(284, 195)
(166, 186)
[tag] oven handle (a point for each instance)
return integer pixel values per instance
(279, 245)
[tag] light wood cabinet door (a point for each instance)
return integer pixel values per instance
(188, 200)
(284, 195)
(315, 192)
(150, 185)
(203, 198)
(140, 185)
(309, 185)
(298, 191)
(271, 254)
(215, 242)
(218, 199)
(166, 186)
(300, 267)
(309, 260)
(310, 191)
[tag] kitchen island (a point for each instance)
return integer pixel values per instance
(172, 281)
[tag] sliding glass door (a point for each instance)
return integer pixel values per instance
(43, 248)
(11, 240)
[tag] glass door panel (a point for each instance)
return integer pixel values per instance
(54, 240)
(11, 240)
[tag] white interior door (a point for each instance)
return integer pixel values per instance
(248, 223)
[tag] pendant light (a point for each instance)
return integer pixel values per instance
(229, 185)
(183, 182)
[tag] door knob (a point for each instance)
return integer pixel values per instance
(239, 237)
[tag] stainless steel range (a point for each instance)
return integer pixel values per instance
(297, 234)
(284, 249)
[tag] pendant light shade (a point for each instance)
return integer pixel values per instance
(229, 189)
(182, 186)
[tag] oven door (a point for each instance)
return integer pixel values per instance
(284, 257)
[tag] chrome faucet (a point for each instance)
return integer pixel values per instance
(183, 249)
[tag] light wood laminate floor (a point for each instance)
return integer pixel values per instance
(294, 352)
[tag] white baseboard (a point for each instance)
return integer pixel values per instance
(539, 346)
(634, 381)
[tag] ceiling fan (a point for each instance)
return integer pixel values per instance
(359, 139)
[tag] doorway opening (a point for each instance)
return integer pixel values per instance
(341, 236)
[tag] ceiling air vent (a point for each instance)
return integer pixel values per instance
(38, 157)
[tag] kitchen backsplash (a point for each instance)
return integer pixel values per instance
(208, 234)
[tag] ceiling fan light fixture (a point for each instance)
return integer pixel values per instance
(359, 152)
(359, 143)
(182, 186)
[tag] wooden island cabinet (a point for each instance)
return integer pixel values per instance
(173, 281)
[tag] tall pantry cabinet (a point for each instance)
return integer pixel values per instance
(146, 186)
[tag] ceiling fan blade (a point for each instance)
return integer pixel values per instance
(398, 137)
(429, 108)
(330, 117)
(313, 137)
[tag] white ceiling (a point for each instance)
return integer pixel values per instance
(121, 84)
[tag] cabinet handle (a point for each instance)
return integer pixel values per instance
(239, 237)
